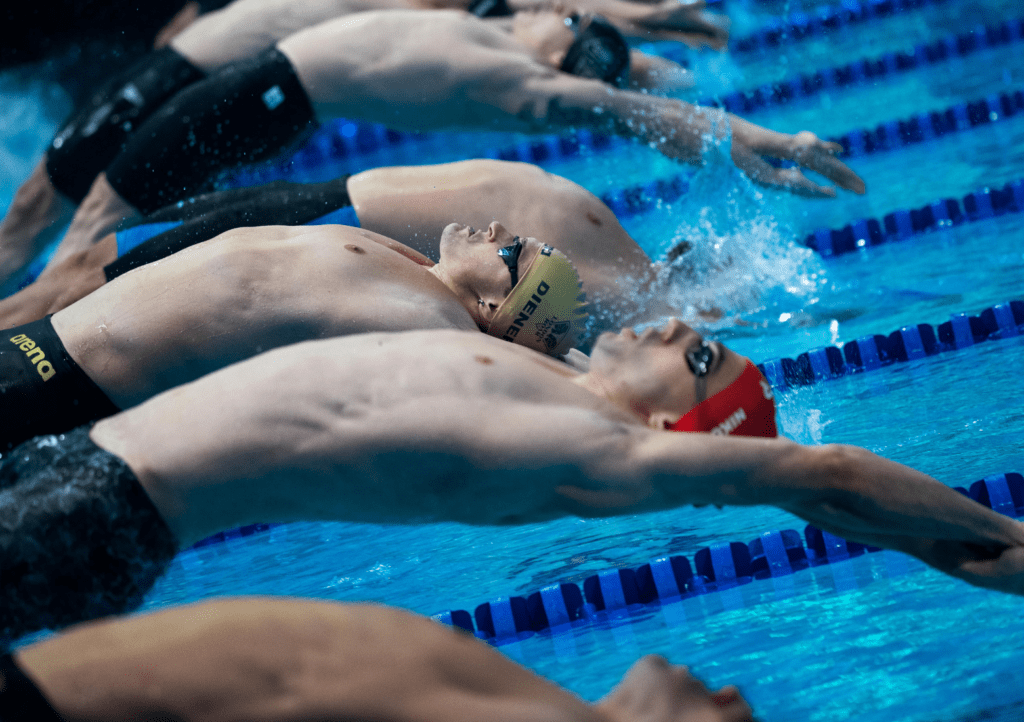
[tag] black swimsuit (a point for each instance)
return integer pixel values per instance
(20, 699)
(79, 536)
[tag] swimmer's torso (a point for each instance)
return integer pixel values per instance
(327, 418)
(242, 293)
(415, 70)
(410, 203)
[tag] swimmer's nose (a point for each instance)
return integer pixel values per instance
(497, 233)
(676, 329)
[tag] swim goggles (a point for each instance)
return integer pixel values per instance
(699, 359)
(510, 255)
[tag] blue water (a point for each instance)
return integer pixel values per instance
(877, 638)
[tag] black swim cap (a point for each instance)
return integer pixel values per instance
(489, 8)
(599, 51)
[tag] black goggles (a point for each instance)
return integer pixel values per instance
(510, 255)
(699, 359)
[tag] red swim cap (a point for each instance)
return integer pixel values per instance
(746, 407)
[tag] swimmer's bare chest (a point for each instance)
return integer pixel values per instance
(249, 295)
(381, 373)
(350, 284)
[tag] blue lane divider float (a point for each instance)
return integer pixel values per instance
(895, 134)
(237, 533)
(821, 21)
(902, 224)
(1004, 320)
(717, 567)
(870, 70)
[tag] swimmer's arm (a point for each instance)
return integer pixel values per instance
(682, 131)
(847, 491)
(666, 20)
(656, 73)
(263, 660)
(525, 462)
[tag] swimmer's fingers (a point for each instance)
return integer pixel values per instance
(695, 40)
(818, 155)
(1004, 572)
(732, 705)
(788, 179)
(687, 24)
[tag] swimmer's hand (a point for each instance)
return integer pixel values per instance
(670, 20)
(655, 691)
(863, 497)
(997, 567)
(751, 143)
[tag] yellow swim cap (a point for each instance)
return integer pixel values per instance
(547, 309)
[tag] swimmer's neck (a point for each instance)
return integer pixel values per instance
(609, 392)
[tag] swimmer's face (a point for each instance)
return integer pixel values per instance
(649, 372)
(471, 267)
(546, 31)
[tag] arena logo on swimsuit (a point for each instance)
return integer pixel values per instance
(528, 310)
(35, 355)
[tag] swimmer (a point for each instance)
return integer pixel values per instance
(431, 426)
(419, 70)
(408, 204)
(92, 138)
(253, 289)
(266, 659)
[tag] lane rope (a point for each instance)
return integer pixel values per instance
(909, 343)
(717, 568)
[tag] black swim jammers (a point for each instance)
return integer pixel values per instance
(79, 537)
(95, 135)
(246, 112)
(20, 698)
(42, 389)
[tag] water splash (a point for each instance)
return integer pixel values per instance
(729, 258)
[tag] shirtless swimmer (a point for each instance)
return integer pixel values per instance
(253, 289)
(410, 204)
(447, 426)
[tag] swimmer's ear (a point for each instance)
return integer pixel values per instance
(662, 420)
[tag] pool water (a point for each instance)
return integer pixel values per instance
(879, 637)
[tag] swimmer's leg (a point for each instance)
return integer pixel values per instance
(79, 538)
(100, 213)
(72, 279)
(82, 149)
(249, 658)
(37, 212)
(244, 113)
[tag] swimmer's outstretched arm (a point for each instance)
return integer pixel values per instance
(256, 659)
(683, 131)
(845, 490)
